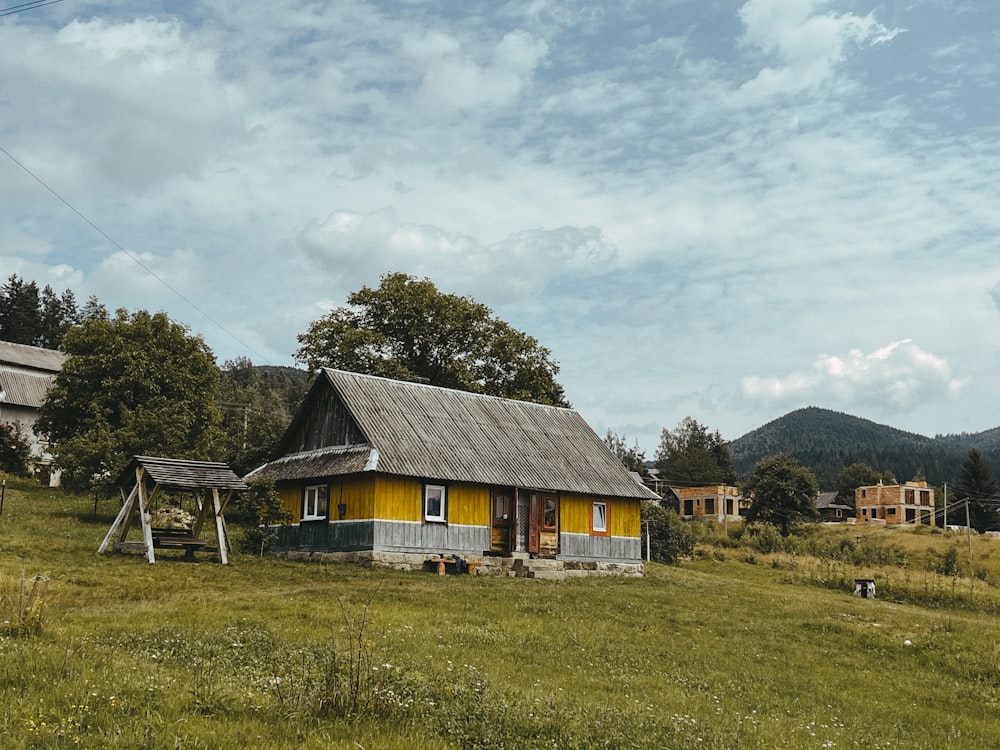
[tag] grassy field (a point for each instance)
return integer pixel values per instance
(738, 648)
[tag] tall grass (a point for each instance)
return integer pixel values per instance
(267, 653)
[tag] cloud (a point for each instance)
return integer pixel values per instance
(897, 377)
(453, 80)
(356, 248)
(808, 46)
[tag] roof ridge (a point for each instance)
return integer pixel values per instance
(471, 394)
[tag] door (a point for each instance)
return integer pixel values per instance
(502, 511)
(543, 525)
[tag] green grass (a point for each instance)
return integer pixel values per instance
(715, 653)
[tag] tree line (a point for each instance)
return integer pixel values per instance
(141, 383)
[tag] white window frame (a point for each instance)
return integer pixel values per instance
(311, 496)
(435, 493)
(603, 527)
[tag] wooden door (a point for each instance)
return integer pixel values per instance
(502, 511)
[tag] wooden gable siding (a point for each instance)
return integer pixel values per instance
(323, 422)
(575, 514)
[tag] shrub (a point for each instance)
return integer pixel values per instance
(669, 537)
(261, 508)
(15, 451)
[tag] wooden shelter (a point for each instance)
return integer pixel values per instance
(145, 477)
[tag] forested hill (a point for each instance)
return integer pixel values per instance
(827, 441)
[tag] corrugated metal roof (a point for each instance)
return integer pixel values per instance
(34, 357)
(24, 388)
(183, 474)
(439, 433)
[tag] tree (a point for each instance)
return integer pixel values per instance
(133, 384)
(977, 486)
(633, 458)
(262, 509)
(782, 492)
(407, 329)
(690, 454)
(58, 314)
(669, 537)
(859, 474)
(15, 450)
(20, 312)
(257, 405)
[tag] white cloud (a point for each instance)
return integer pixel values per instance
(897, 377)
(808, 46)
(356, 248)
(453, 79)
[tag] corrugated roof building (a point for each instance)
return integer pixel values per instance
(396, 468)
(26, 373)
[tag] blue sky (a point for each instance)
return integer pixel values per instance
(721, 210)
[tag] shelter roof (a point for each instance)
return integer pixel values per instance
(419, 430)
(182, 474)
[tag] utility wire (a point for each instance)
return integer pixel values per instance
(26, 6)
(135, 258)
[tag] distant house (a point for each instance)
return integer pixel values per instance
(395, 472)
(718, 502)
(909, 503)
(26, 373)
(832, 511)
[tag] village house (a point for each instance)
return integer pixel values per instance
(718, 502)
(400, 473)
(26, 373)
(908, 503)
(832, 511)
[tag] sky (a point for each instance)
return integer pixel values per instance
(718, 209)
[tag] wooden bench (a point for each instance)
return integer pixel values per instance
(443, 562)
(178, 539)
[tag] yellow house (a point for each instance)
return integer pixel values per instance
(397, 472)
(909, 503)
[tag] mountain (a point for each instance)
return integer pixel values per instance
(826, 441)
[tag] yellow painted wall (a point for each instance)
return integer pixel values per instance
(575, 514)
(469, 504)
(399, 498)
(357, 493)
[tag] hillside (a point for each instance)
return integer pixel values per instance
(826, 441)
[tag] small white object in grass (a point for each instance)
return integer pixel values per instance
(907, 642)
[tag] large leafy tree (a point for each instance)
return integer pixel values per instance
(691, 454)
(132, 384)
(781, 492)
(859, 474)
(977, 485)
(409, 330)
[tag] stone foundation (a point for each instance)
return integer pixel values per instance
(517, 566)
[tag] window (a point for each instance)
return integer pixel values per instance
(599, 518)
(314, 503)
(434, 502)
(550, 514)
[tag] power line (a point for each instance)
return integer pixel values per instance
(135, 258)
(26, 6)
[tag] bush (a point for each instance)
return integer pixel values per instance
(261, 508)
(669, 537)
(15, 450)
